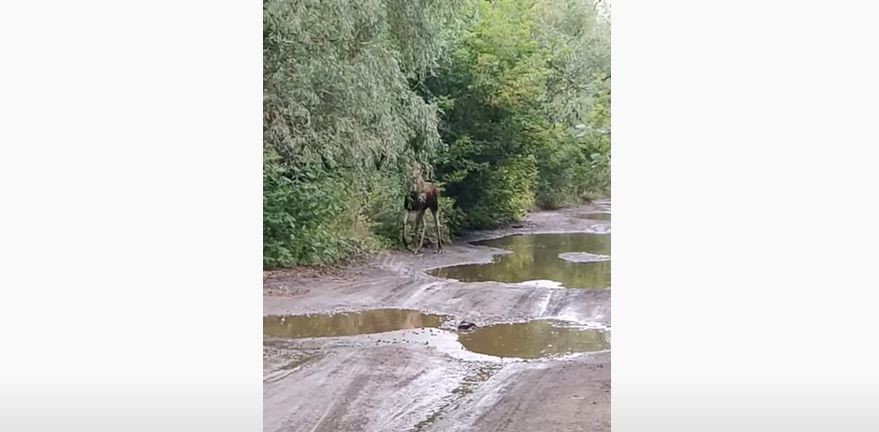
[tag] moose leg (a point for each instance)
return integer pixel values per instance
(419, 222)
(439, 238)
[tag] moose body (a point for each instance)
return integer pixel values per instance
(422, 196)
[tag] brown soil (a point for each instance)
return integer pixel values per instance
(423, 379)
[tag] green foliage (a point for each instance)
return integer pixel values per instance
(506, 193)
(521, 101)
(509, 100)
(341, 123)
(451, 217)
(384, 192)
(561, 169)
(306, 217)
(336, 88)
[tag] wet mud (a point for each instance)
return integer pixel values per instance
(382, 351)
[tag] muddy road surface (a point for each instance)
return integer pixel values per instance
(376, 346)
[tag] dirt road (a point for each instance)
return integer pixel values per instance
(423, 379)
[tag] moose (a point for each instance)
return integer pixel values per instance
(422, 195)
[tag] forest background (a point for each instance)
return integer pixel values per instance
(504, 104)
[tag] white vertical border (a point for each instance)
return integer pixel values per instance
(130, 177)
(744, 176)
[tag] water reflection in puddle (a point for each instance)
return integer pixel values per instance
(534, 339)
(348, 323)
(526, 340)
(536, 257)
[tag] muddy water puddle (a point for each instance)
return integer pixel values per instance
(537, 257)
(534, 339)
(525, 340)
(348, 323)
(595, 216)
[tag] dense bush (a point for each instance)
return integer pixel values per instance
(341, 123)
(307, 217)
(522, 110)
(509, 100)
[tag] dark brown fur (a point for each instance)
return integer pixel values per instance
(422, 196)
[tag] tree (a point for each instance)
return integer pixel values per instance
(507, 99)
(339, 113)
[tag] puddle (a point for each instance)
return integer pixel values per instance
(534, 339)
(595, 216)
(348, 323)
(536, 257)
